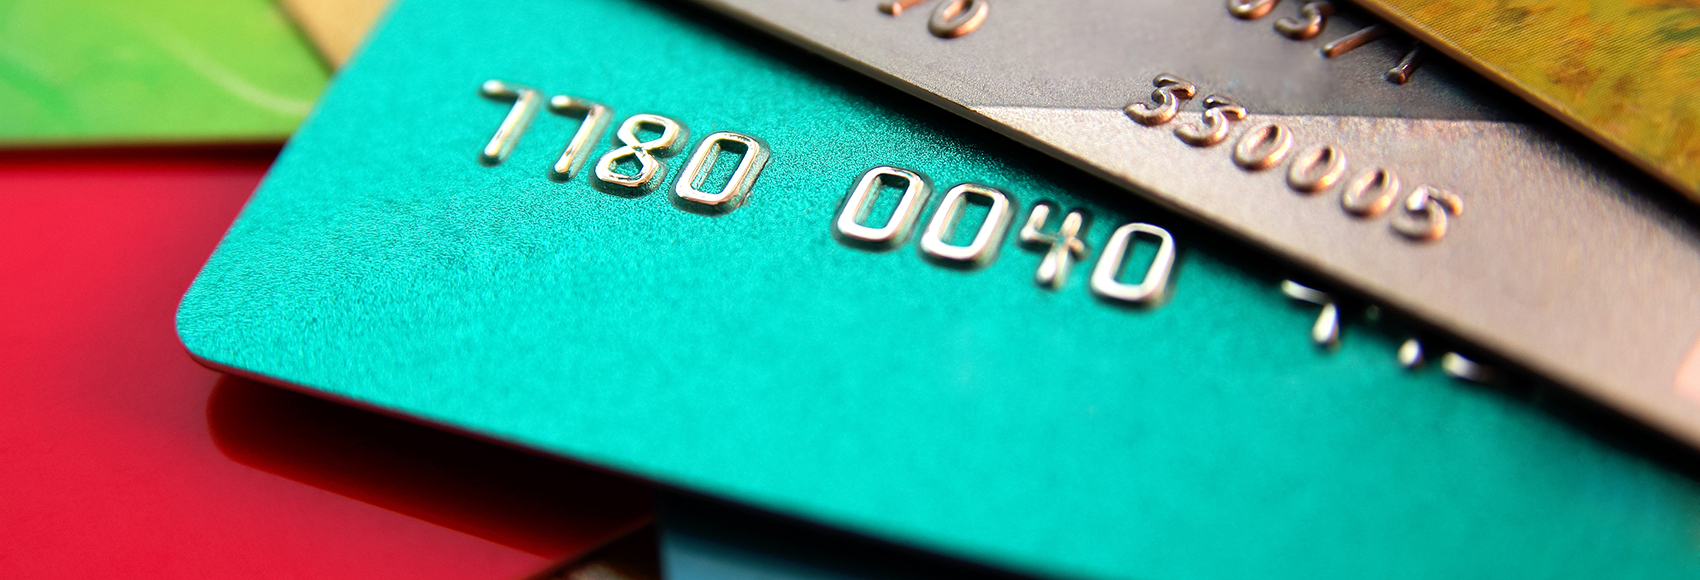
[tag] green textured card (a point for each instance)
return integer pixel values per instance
(119, 72)
(752, 356)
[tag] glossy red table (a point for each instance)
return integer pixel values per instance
(121, 458)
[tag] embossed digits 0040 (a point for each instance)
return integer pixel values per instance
(1061, 246)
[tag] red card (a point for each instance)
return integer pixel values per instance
(121, 458)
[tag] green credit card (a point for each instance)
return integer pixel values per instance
(123, 72)
(422, 247)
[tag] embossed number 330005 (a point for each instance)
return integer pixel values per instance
(1423, 216)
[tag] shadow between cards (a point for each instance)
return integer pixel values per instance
(514, 498)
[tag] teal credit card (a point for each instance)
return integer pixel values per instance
(742, 330)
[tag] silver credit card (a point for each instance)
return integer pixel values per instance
(1287, 129)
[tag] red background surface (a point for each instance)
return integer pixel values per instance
(121, 458)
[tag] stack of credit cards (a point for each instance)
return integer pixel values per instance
(926, 288)
(1441, 196)
(130, 135)
(1237, 299)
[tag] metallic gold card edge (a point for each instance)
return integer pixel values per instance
(335, 27)
(1688, 374)
(1559, 111)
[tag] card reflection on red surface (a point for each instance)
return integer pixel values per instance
(119, 457)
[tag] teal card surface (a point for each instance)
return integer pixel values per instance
(750, 353)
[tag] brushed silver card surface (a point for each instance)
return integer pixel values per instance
(1440, 197)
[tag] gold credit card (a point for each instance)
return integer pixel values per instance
(1624, 72)
(335, 26)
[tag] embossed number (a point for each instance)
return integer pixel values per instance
(1263, 147)
(1171, 90)
(1152, 288)
(848, 228)
(1425, 213)
(1250, 9)
(688, 191)
(987, 239)
(651, 171)
(595, 122)
(526, 102)
(1061, 247)
(1219, 114)
(950, 19)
